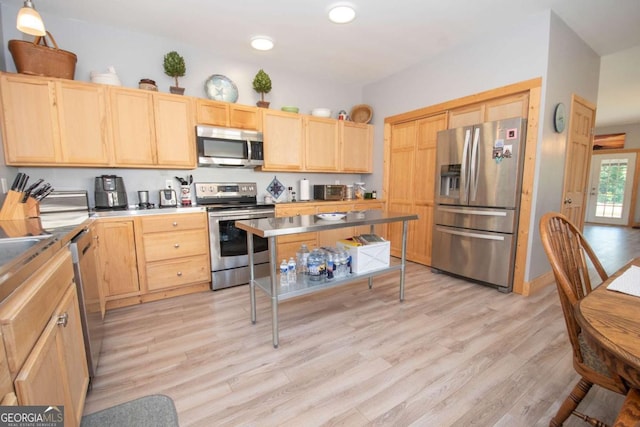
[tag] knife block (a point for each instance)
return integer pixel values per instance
(12, 209)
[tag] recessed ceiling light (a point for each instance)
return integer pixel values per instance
(262, 43)
(342, 14)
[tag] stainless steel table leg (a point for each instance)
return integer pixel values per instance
(252, 285)
(274, 291)
(372, 230)
(405, 226)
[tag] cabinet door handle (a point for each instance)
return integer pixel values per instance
(63, 319)
(175, 223)
(179, 274)
(176, 245)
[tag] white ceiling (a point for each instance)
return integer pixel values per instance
(386, 36)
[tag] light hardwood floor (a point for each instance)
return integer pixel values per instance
(452, 354)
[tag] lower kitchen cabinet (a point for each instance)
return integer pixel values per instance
(287, 246)
(43, 339)
(117, 267)
(152, 257)
(175, 251)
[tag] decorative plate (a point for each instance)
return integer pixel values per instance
(221, 88)
(333, 216)
(275, 188)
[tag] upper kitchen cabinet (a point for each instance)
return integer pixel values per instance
(133, 127)
(356, 147)
(216, 113)
(516, 105)
(283, 141)
(175, 136)
(72, 122)
(152, 129)
(320, 144)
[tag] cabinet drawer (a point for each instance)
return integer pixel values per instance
(159, 246)
(26, 312)
(169, 274)
(163, 223)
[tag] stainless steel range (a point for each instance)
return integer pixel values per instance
(226, 203)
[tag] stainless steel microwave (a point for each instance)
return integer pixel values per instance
(228, 147)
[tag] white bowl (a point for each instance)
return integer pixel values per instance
(321, 112)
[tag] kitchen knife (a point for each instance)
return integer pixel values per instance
(44, 193)
(29, 190)
(23, 182)
(16, 182)
(40, 191)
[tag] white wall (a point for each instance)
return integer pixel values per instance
(136, 56)
(503, 56)
(573, 69)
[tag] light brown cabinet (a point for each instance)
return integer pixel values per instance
(118, 268)
(283, 141)
(411, 183)
(43, 339)
(152, 257)
(72, 122)
(216, 113)
(299, 143)
(321, 144)
(175, 251)
(160, 124)
(356, 147)
(516, 105)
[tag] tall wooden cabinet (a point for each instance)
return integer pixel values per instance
(412, 180)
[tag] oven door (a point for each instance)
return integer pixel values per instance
(229, 255)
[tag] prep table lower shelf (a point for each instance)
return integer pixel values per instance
(270, 228)
(304, 286)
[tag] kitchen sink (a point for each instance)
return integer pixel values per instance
(20, 257)
(14, 247)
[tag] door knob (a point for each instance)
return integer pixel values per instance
(568, 201)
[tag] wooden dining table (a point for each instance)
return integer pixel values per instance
(610, 322)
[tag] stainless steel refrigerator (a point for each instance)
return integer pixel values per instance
(477, 196)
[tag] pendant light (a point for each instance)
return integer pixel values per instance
(29, 20)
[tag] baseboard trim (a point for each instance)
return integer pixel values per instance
(538, 283)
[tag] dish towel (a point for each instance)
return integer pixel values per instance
(628, 282)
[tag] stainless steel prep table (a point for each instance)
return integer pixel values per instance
(273, 227)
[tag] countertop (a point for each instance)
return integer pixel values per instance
(272, 227)
(27, 244)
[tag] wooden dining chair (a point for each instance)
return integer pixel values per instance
(572, 261)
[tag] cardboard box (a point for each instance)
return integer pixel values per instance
(368, 257)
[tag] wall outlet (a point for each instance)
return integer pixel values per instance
(3, 185)
(168, 184)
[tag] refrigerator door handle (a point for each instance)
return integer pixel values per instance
(472, 235)
(472, 212)
(463, 170)
(475, 165)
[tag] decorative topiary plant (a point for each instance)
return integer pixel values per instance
(175, 67)
(262, 85)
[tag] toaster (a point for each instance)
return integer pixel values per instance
(168, 198)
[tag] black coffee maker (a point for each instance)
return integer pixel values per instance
(110, 192)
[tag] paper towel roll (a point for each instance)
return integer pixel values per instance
(304, 189)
